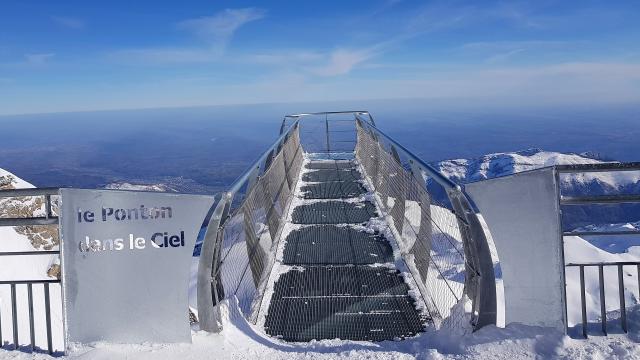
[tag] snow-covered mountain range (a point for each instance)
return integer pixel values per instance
(501, 164)
(140, 187)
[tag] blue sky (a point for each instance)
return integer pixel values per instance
(88, 55)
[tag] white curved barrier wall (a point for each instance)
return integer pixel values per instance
(522, 213)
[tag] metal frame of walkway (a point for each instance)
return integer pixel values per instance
(327, 175)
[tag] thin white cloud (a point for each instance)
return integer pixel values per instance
(510, 45)
(342, 61)
(214, 31)
(284, 57)
(219, 28)
(69, 22)
(38, 59)
(167, 55)
(502, 57)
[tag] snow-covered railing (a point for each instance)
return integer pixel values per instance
(621, 266)
(237, 252)
(17, 304)
(448, 254)
(444, 245)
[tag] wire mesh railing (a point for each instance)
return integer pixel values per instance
(244, 229)
(439, 243)
(443, 246)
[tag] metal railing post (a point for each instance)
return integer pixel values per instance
(583, 302)
(638, 273)
(603, 304)
(1, 340)
(47, 309)
(326, 122)
(207, 285)
(477, 250)
(14, 316)
(32, 334)
(623, 309)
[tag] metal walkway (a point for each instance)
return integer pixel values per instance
(286, 243)
(335, 290)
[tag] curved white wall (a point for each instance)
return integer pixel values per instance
(521, 211)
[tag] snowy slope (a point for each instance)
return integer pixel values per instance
(139, 187)
(502, 164)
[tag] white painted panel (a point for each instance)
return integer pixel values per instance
(126, 260)
(521, 211)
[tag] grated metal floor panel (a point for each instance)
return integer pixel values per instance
(326, 175)
(354, 318)
(334, 212)
(328, 244)
(333, 190)
(334, 292)
(330, 165)
(361, 280)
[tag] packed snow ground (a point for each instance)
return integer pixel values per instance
(239, 340)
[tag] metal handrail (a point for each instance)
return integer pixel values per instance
(208, 267)
(355, 113)
(591, 233)
(605, 263)
(430, 170)
(477, 253)
(242, 179)
(599, 199)
(28, 192)
(600, 167)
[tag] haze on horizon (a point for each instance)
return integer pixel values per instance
(79, 56)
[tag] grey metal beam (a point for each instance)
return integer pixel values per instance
(609, 263)
(602, 167)
(35, 252)
(598, 233)
(28, 221)
(599, 199)
(22, 282)
(28, 192)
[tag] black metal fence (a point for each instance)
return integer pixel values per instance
(607, 199)
(16, 303)
(601, 286)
